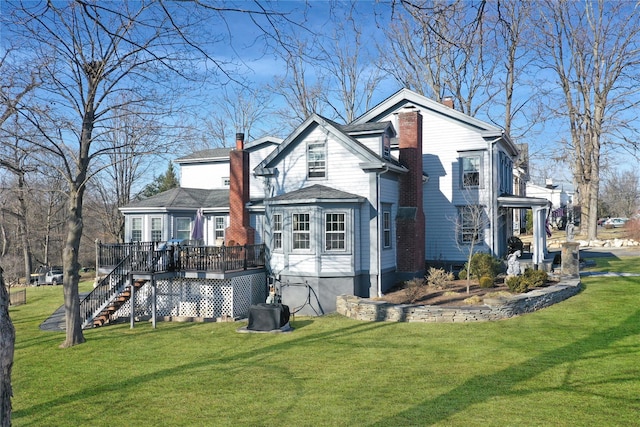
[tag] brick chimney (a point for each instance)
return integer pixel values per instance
(239, 231)
(410, 219)
(448, 101)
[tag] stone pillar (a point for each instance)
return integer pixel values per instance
(570, 264)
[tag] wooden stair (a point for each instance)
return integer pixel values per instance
(105, 315)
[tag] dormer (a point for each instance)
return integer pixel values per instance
(375, 136)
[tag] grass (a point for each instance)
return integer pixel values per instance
(572, 364)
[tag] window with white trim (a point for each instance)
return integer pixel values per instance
(220, 225)
(386, 228)
(277, 231)
(334, 234)
(301, 231)
(182, 229)
(136, 229)
(471, 224)
(226, 181)
(471, 171)
(316, 160)
(156, 229)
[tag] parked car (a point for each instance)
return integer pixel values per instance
(47, 276)
(615, 222)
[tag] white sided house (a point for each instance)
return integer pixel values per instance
(352, 209)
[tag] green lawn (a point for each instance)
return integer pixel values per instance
(574, 364)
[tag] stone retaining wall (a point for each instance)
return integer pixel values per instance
(493, 308)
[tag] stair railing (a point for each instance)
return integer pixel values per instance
(105, 292)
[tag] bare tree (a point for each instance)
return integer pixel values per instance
(238, 107)
(7, 343)
(470, 225)
(122, 167)
(92, 53)
(16, 84)
(16, 162)
(620, 194)
(301, 87)
(351, 73)
(591, 47)
(438, 48)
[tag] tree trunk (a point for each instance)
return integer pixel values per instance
(7, 342)
(71, 268)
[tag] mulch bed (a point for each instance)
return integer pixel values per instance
(453, 294)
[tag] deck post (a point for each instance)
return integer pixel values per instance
(132, 300)
(153, 300)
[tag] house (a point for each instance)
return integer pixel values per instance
(561, 199)
(352, 209)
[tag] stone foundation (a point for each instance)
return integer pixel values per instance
(493, 308)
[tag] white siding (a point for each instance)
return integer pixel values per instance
(302, 263)
(336, 264)
(207, 176)
(343, 172)
(443, 140)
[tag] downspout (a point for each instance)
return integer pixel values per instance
(379, 225)
(492, 196)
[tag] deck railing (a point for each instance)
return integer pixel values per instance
(148, 257)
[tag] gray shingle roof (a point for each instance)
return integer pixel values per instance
(210, 153)
(188, 198)
(315, 192)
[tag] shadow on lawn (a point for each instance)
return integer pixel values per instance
(130, 384)
(485, 387)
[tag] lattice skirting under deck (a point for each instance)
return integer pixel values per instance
(199, 298)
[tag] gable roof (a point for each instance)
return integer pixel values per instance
(204, 156)
(408, 97)
(182, 198)
(367, 156)
(316, 194)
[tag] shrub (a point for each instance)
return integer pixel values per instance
(463, 274)
(484, 264)
(486, 282)
(438, 278)
(516, 284)
(536, 278)
(414, 288)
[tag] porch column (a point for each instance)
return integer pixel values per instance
(539, 234)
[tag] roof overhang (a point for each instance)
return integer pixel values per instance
(522, 202)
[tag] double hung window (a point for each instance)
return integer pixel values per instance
(136, 229)
(471, 171)
(335, 232)
(183, 228)
(316, 160)
(277, 231)
(156, 229)
(301, 231)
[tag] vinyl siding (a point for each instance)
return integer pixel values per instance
(207, 176)
(443, 142)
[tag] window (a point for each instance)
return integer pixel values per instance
(471, 171)
(301, 231)
(277, 231)
(136, 229)
(183, 228)
(334, 234)
(220, 225)
(156, 229)
(316, 160)
(505, 176)
(386, 228)
(472, 224)
(226, 181)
